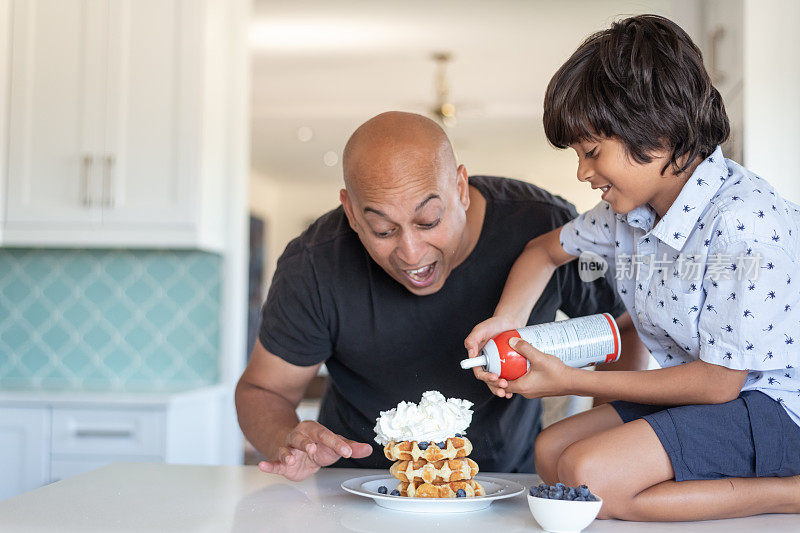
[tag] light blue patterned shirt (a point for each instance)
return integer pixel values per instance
(717, 278)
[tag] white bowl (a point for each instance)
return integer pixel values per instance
(563, 516)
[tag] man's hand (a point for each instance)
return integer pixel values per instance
(548, 375)
(483, 332)
(478, 337)
(310, 446)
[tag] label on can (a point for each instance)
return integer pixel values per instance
(578, 342)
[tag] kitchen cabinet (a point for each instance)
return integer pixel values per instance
(46, 437)
(5, 54)
(24, 449)
(116, 123)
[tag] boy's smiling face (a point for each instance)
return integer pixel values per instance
(626, 184)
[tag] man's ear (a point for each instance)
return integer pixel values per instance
(462, 182)
(348, 209)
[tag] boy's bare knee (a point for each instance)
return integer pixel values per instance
(580, 465)
(546, 451)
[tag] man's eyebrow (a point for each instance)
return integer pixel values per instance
(376, 211)
(420, 206)
(425, 201)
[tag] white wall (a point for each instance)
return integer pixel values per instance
(287, 208)
(772, 92)
(536, 162)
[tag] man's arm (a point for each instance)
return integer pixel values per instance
(266, 398)
(634, 354)
(267, 395)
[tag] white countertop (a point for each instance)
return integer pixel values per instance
(166, 498)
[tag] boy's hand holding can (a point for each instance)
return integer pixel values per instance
(548, 375)
(575, 343)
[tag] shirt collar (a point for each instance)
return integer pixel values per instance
(641, 217)
(680, 219)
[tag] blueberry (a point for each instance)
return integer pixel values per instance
(571, 493)
(423, 445)
(561, 486)
(461, 493)
(395, 492)
(543, 486)
(382, 489)
(459, 435)
(441, 445)
(580, 499)
(583, 490)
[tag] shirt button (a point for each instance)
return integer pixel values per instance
(646, 260)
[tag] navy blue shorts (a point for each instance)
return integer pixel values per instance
(751, 436)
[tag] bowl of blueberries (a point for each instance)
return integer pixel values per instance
(561, 509)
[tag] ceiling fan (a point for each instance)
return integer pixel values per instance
(444, 110)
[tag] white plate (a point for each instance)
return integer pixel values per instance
(495, 489)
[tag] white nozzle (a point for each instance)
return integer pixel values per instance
(473, 362)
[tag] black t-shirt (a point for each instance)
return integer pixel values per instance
(329, 301)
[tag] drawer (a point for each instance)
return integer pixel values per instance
(68, 467)
(108, 431)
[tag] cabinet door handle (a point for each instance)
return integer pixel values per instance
(86, 170)
(108, 182)
(104, 433)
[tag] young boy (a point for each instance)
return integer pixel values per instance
(705, 255)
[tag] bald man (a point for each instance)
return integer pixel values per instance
(384, 290)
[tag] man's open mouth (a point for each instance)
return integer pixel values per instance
(422, 276)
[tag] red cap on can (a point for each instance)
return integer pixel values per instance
(512, 364)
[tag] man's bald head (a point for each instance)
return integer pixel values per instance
(407, 199)
(394, 148)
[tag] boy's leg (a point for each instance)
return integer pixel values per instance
(628, 467)
(553, 440)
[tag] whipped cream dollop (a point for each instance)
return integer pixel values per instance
(433, 419)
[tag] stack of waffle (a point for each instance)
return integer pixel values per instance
(434, 470)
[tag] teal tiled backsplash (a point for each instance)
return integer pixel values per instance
(109, 319)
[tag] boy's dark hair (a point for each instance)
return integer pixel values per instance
(643, 82)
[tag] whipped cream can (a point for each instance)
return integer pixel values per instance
(579, 342)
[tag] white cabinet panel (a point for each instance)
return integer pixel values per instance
(5, 58)
(24, 449)
(56, 111)
(50, 437)
(107, 432)
(119, 123)
(147, 174)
